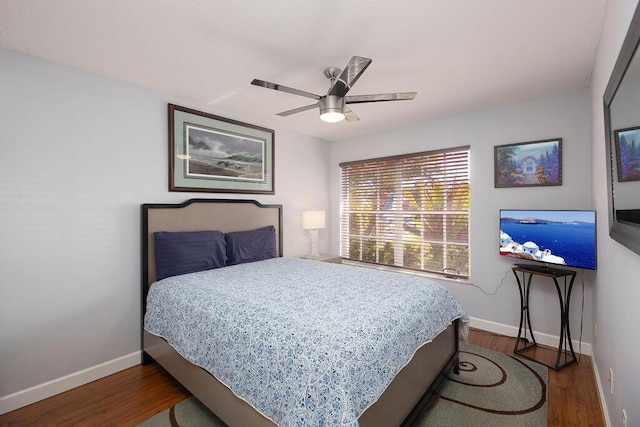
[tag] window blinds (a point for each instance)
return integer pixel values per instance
(409, 211)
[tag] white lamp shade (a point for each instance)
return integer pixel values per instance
(313, 220)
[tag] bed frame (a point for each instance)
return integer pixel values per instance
(402, 402)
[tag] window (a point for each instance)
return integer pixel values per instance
(409, 211)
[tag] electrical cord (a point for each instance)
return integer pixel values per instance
(499, 286)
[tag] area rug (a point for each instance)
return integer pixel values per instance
(493, 389)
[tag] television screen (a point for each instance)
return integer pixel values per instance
(550, 236)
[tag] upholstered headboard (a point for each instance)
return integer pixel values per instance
(225, 215)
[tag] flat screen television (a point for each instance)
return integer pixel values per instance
(555, 237)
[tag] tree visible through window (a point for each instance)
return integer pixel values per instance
(409, 211)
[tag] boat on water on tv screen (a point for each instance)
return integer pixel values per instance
(558, 237)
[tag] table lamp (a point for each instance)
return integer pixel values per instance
(313, 221)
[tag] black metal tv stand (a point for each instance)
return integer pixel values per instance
(565, 356)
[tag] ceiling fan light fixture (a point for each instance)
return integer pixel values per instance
(331, 108)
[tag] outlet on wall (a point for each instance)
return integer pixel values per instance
(611, 380)
(624, 418)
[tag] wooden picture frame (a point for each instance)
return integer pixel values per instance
(528, 164)
(208, 153)
(627, 143)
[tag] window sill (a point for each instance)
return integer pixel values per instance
(410, 272)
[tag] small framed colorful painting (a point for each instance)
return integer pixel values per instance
(628, 154)
(528, 164)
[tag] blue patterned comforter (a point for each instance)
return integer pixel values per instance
(306, 343)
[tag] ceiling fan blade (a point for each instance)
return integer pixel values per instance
(282, 88)
(298, 110)
(360, 99)
(349, 76)
(349, 115)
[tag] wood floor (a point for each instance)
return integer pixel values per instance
(135, 394)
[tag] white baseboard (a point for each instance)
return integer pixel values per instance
(603, 402)
(42, 391)
(541, 338)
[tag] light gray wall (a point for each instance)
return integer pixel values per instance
(565, 116)
(617, 290)
(79, 153)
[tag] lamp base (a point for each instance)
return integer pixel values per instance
(313, 244)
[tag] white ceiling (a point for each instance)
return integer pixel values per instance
(459, 55)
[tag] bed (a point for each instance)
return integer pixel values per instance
(400, 384)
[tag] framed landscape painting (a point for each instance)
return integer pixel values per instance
(628, 154)
(212, 154)
(528, 164)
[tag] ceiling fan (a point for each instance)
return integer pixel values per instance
(333, 105)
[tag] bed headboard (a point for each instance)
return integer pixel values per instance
(202, 214)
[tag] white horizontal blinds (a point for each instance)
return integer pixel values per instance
(409, 211)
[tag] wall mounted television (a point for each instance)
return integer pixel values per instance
(554, 237)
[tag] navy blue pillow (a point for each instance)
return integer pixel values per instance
(188, 251)
(252, 245)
